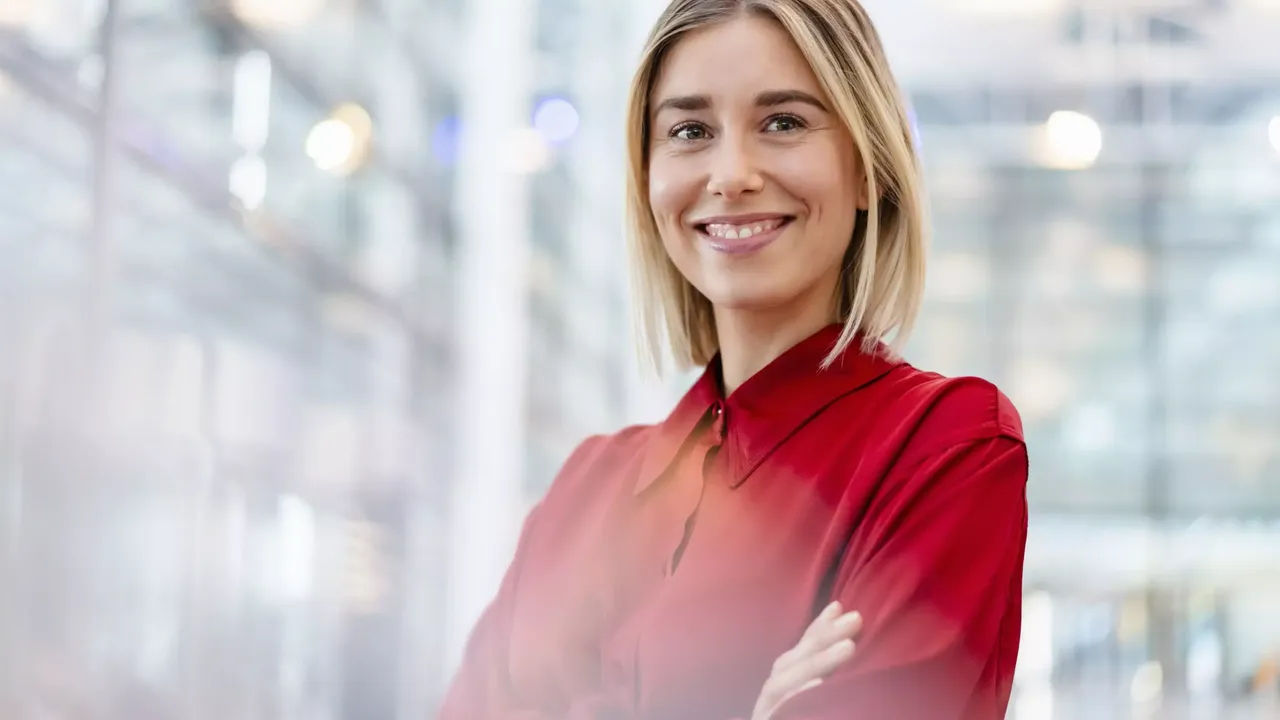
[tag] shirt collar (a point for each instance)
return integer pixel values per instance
(769, 406)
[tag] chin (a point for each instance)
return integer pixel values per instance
(738, 296)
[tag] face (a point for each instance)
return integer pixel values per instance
(753, 180)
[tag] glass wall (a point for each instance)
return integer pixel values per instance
(236, 418)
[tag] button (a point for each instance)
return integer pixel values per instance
(716, 410)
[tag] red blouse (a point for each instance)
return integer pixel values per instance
(670, 565)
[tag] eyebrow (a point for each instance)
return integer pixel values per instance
(768, 98)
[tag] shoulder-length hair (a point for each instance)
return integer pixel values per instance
(882, 282)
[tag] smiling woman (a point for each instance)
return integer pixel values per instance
(754, 184)
(791, 104)
(702, 567)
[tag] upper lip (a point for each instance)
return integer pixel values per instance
(740, 219)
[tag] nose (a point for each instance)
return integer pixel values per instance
(734, 171)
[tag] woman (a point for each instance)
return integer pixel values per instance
(700, 568)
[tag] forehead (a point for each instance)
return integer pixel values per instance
(735, 58)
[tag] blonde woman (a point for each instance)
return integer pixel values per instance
(812, 489)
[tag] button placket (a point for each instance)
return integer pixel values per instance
(708, 443)
(717, 424)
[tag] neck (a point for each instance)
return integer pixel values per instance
(750, 340)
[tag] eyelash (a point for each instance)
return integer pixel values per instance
(799, 125)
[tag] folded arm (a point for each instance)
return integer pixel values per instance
(937, 575)
(935, 571)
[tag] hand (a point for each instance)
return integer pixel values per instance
(827, 643)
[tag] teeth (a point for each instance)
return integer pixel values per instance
(741, 232)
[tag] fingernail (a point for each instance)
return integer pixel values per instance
(833, 609)
(844, 647)
(851, 620)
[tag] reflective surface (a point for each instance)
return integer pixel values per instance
(232, 429)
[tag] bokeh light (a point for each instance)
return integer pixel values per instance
(556, 119)
(1070, 141)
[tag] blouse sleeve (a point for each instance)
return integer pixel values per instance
(481, 688)
(936, 572)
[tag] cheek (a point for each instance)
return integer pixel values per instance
(830, 187)
(669, 193)
(838, 180)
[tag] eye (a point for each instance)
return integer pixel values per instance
(784, 123)
(689, 132)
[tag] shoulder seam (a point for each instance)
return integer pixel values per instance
(997, 409)
(961, 441)
(996, 428)
(999, 403)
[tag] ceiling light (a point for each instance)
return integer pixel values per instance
(251, 100)
(340, 143)
(330, 144)
(1069, 141)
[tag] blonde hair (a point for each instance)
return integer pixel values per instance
(883, 278)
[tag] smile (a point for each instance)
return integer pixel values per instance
(737, 236)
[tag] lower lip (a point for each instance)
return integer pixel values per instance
(743, 246)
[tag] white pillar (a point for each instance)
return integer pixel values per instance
(596, 239)
(493, 222)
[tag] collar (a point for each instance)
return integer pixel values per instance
(769, 407)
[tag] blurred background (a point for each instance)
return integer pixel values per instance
(303, 302)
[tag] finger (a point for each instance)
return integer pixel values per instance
(785, 698)
(825, 662)
(780, 689)
(807, 686)
(824, 633)
(832, 611)
(845, 627)
(804, 672)
(828, 615)
(816, 666)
